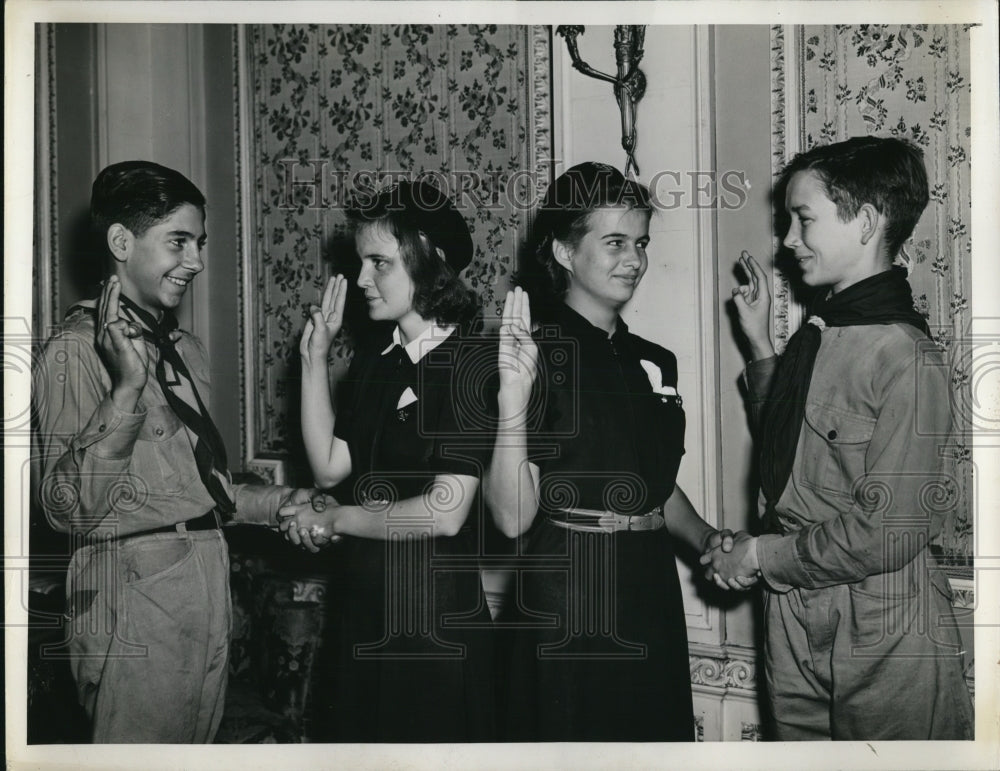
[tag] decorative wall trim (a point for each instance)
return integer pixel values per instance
(272, 469)
(787, 127)
(728, 668)
(46, 283)
(241, 125)
(709, 616)
(540, 98)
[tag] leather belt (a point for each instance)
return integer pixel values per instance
(208, 521)
(597, 521)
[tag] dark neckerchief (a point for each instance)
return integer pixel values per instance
(209, 449)
(884, 298)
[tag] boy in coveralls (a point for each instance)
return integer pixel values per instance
(134, 470)
(860, 637)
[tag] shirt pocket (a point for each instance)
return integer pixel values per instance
(163, 455)
(834, 446)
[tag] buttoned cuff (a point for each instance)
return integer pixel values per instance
(757, 377)
(779, 562)
(110, 434)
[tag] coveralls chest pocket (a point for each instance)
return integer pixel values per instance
(163, 455)
(834, 447)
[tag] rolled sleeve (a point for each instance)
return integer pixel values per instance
(259, 504)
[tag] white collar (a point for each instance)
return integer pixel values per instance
(423, 343)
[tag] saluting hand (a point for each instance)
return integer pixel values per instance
(325, 322)
(753, 305)
(120, 344)
(518, 357)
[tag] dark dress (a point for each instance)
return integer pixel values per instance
(410, 651)
(600, 652)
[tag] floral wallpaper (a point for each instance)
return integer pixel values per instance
(908, 81)
(333, 109)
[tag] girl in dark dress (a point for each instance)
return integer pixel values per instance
(413, 653)
(590, 437)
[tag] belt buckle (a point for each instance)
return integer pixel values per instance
(609, 522)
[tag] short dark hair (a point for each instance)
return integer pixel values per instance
(886, 172)
(407, 213)
(138, 194)
(564, 215)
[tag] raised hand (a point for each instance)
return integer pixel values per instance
(324, 322)
(736, 569)
(120, 344)
(753, 305)
(518, 357)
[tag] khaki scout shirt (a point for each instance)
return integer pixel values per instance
(867, 489)
(110, 472)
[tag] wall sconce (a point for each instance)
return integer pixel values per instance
(630, 84)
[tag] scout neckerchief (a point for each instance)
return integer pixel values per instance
(178, 387)
(884, 298)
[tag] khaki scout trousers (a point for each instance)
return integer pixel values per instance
(877, 660)
(148, 635)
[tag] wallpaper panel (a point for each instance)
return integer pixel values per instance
(909, 81)
(333, 109)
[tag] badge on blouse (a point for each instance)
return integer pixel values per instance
(656, 382)
(405, 400)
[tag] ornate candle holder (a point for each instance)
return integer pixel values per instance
(629, 84)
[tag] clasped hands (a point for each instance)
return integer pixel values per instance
(731, 560)
(307, 520)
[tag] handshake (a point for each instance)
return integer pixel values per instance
(731, 560)
(307, 518)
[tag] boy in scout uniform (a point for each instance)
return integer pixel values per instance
(860, 636)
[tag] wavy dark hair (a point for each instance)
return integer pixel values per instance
(886, 172)
(438, 291)
(564, 215)
(138, 194)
